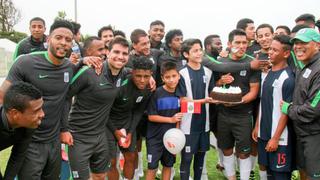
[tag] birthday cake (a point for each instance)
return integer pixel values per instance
(231, 94)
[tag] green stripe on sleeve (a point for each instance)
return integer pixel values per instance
(15, 54)
(316, 100)
(82, 70)
(213, 60)
(285, 107)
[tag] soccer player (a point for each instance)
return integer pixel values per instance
(282, 30)
(304, 109)
(21, 113)
(247, 25)
(156, 34)
(77, 51)
(307, 19)
(163, 113)
(37, 41)
(141, 47)
(51, 72)
(235, 121)
(93, 95)
(106, 34)
(195, 84)
(127, 110)
(212, 45)
(173, 42)
(272, 130)
(264, 38)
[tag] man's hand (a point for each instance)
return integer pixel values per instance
(119, 134)
(272, 145)
(226, 79)
(254, 134)
(74, 58)
(96, 62)
(224, 53)
(176, 118)
(66, 138)
(127, 141)
(262, 65)
(152, 84)
(209, 100)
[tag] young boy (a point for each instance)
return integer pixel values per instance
(163, 114)
(195, 84)
(272, 130)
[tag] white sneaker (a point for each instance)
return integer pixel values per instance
(173, 172)
(136, 175)
(204, 176)
(190, 178)
(120, 177)
(140, 172)
(140, 167)
(159, 171)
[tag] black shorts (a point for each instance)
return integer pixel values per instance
(87, 155)
(213, 117)
(235, 130)
(197, 142)
(141, 129)
(308, 155)
(280, 161)
(112, 145)
(42, 161)
(157, 152)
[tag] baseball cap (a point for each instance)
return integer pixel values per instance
(307, 35)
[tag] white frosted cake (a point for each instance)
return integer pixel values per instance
(231, 94)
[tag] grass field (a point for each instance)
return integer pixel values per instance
(213, 173)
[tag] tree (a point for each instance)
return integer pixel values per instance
(14, 36)
(61, 15)
(9, 15)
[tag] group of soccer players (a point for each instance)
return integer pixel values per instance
(102, 95)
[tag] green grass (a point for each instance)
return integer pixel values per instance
(212, 159)
(4, 156)
(213, 173)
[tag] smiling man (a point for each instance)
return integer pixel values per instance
(35, 42)
(156, 34)
(93, 95)
(235, 121)
(264, 38)
(20, 114)
(51, 72)
(127, 110)
(304, 111)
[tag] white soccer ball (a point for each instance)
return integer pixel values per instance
(174, 140)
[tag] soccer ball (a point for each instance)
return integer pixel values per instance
(174, 140)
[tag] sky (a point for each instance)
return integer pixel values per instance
(196, 18)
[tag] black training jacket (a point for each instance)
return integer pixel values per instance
(305, 108)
